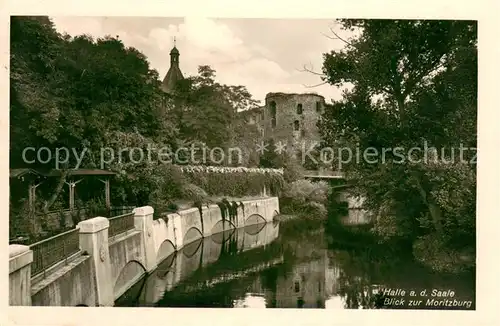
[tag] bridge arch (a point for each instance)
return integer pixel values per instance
(254, 229)
(128, 276)
(222, 226)
(222, 237)
(192, 234)
(192, 248)
(166, 249)
(255, 219)
(166, 266)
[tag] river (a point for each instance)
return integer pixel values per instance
(296, 264)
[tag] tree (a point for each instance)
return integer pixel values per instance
(75, 92)
(208, 112)
(411, 82)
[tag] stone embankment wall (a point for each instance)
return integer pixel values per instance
(106, 267)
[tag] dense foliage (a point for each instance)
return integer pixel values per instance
(412, 84)
(305, 198)
(88, 94)
(237, 184)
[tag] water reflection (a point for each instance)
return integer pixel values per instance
(293, 265)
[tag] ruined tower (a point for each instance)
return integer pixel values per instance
(290, 118)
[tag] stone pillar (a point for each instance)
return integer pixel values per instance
(143, 221)
(20, 259)
(94, 241)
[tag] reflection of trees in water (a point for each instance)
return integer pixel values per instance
(230, 245)
(366, 266)
(357, 274)
(269, 279)
(355, 294)
(361, 261)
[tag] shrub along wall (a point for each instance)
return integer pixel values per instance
(236, 182)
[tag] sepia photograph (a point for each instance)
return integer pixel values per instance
(190, 162)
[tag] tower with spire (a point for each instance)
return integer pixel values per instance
(174, 74)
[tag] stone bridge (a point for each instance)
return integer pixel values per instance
(111, 255)
(323, 174)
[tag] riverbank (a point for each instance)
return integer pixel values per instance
(427, 250)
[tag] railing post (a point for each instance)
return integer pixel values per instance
(42, 261)
(143, 222)
(94, 241)
(64, 252)
(20, 259)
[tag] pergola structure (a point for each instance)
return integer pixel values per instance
(73, 177)
(33, 178)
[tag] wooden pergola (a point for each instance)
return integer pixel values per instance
(74, 174)
(73, 177)
(33, 178)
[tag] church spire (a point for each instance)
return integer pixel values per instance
(174, 74)
(174, 55)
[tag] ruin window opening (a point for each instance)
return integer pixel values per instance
(299, 108)
(273, 113)
(318, 106)
(296, 125)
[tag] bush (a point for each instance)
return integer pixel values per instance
(435, 253)
(137, 185)
(314, 208)
(20, 223)
(305, 198)
(236, 184)
(62, 220)
(305, 190)
(292, 171)
(97, 207)
(163, 207)
(194, 193)
(168, 181)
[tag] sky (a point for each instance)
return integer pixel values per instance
(265, 55)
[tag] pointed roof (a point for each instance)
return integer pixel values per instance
(174, 51)
(173, 75)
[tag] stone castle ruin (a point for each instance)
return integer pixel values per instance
(289, 118)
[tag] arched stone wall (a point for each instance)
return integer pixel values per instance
(127, 277)
(255, 219)
(192, 248)
(222, 237)
(191, 235)
(222, 226)
(254, 228)
(166, 249)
